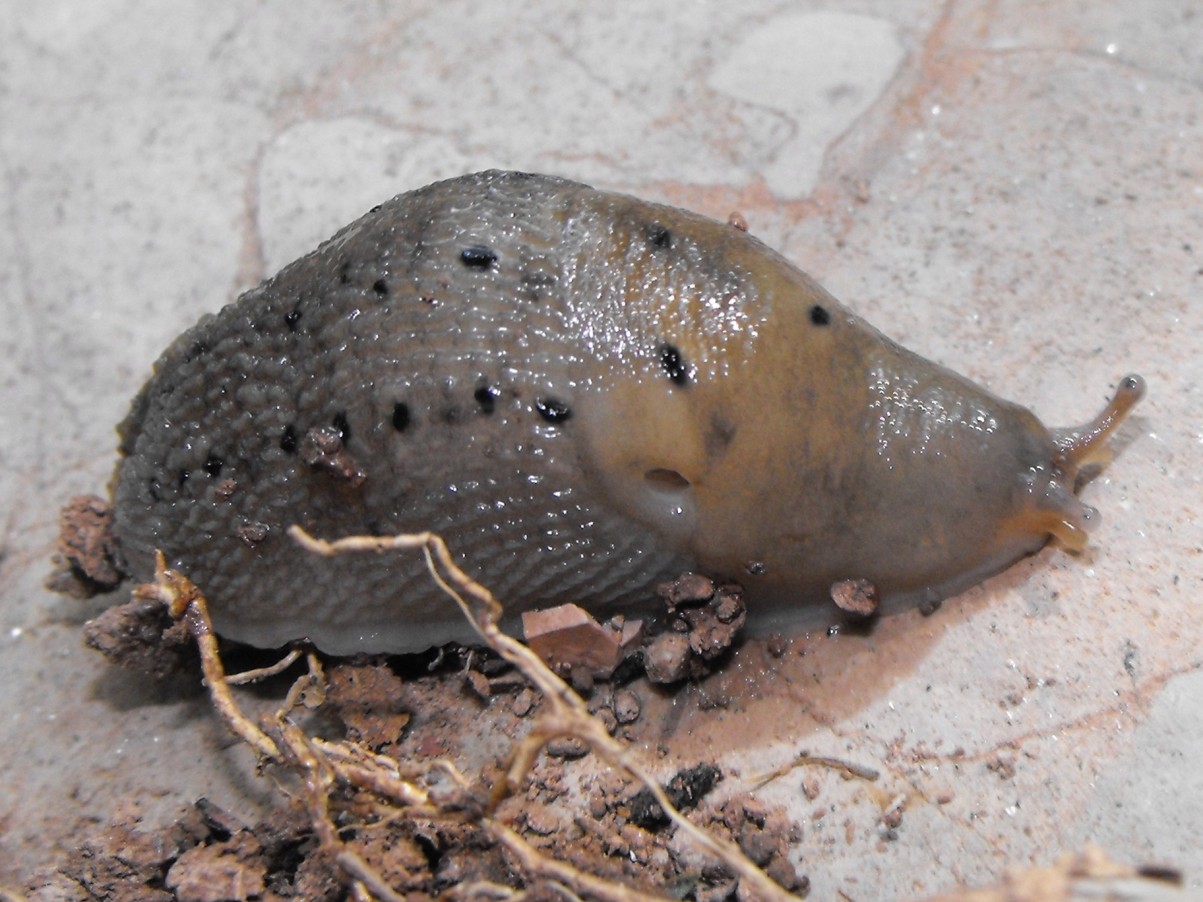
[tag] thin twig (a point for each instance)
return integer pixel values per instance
(539, 864)
(262, 673)
(804, 759)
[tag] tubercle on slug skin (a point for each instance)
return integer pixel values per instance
(583, 393)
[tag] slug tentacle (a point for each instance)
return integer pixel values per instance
(1087, 444)
(1065, 517)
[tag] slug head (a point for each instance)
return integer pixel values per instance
(1053, 507)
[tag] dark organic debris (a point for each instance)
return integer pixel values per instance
(684, 790)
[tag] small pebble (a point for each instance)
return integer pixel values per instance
(856, 596)
(480, 684)
(607, 718)
(568, 747)
(540, 820)
(666, 659)
(688, 588)
(756, 843)
(523, 702)
(626, 705)
(728, 609)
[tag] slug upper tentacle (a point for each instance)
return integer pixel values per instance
(1088, 444)
(584, 393)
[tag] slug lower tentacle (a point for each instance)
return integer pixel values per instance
(584, 393)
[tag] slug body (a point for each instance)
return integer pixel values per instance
(584, 394)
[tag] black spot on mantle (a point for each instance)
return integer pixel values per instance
(478, 256)
(659, 236)
(553, 410)
(674, 364)
(401, 417)
(486, 396)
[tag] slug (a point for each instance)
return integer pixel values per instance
(584, 394)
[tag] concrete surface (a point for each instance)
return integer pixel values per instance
(1016, 191)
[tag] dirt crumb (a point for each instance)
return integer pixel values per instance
(568, 747)
(523, 703)
(626, 706)
(323, 449)
(667, 658)
(86, 561)
(777, 645)
(686, 589)
(856, 596)
(541, 820)
(402, 861)
(605, 714)
(1003, 764)
(139, 635)
(891, 818)
(704, 622)
(123, 862)
(763, 832)
(232, 870)
(712, 630)
(204, 855)
(368, 699)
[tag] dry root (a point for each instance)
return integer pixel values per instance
(387, 790)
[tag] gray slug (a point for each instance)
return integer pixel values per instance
(583, 393)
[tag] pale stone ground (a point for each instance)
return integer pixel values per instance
(1014, 190)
